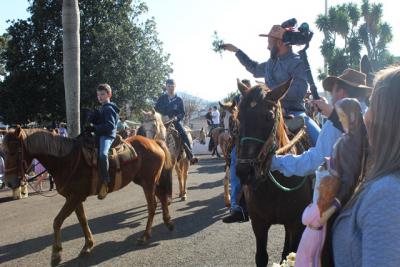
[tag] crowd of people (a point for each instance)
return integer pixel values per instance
(364, 230)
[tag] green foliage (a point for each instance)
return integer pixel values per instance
(118, 46)
(217, 43)
(357, 27)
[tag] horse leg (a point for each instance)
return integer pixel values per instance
(178, 169)
(166, 216)
(227, 197)
(69, 206)
(185, 170)
(260, 229)
(89, 242)
(151, 208)
(293, 233)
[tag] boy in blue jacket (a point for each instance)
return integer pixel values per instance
(105, 129)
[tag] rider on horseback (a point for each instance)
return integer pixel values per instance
(171, 105)
(282, 65)
(104, 125)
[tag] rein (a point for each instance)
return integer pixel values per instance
(269, 148)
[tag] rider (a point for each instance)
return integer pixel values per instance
(238, 211)
(105, 128)
(281, 66)
(171, 105)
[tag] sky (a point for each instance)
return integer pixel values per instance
(186, 29)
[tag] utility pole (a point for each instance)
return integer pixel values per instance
(325, 63)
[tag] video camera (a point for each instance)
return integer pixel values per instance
(301, 36)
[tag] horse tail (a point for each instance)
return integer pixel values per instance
(164, 186)
(168, 161)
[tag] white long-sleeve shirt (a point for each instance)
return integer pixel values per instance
(308, 162)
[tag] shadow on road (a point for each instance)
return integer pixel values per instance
(204, 214)
(210, 166)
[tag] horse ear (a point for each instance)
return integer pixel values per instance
(242, 87)
(153, 111)
(220, 104)
(233, 104)
(279, 92)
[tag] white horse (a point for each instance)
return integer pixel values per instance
(153, 125)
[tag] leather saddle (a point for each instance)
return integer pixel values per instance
(120, 152)
(294, 124)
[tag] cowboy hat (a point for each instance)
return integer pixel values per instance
(353, 78)
(276, 32)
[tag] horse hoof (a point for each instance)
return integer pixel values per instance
(170, 226)
(86, 251)
(184, 197)
(228, 205)
(142, 241)
(55, 259)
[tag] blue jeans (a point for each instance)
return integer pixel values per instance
(104, 147)
(235, 184)
(312, 127)
(182, 133)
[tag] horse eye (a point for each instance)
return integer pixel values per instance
(270, 115)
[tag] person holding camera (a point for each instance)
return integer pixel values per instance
(282, 65)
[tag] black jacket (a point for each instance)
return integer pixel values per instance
(170, 107)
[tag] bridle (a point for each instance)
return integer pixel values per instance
(22, 166)
(269, 146)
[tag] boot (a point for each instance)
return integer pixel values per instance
(193, 160)
(103, 191)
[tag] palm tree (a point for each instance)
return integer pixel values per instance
(71, 62)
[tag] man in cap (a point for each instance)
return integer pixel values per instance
(171, 105)
(282, 65)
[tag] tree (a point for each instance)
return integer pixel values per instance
(71, 64)
(344, 22)
(192, 105)
(118, 47)
(3, 48)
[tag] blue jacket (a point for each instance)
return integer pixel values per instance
(308, 162)
(277, 71)
(367, 234)
(170, 106)
(106, 122)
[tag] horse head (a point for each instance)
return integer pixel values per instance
(259, 116)
(153, 125)
(16, 157)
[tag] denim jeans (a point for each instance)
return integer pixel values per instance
(182, 132)
(312, 127)
(235, 184)
(104, 147)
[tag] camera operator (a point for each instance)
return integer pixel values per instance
(282, 65)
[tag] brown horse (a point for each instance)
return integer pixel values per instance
(271, 198)
(154, 128)
(74, 178)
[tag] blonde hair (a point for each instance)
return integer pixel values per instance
(384, 127)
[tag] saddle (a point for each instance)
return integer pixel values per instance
(120, 152)
(294, 124)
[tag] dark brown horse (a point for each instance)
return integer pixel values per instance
(271, 198)
(76, 180)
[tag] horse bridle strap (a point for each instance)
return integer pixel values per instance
(21, 165)
(269, 145)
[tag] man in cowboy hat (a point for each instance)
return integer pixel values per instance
(352, 84)
(282, 65)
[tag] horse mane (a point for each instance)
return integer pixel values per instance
(42, 142)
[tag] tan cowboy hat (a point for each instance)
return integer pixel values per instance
(276, 32)
(355, 79)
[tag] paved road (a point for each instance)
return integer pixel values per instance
(200, 237)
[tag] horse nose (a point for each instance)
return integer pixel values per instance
(245, 172)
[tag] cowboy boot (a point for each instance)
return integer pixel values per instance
(193, 160)
(103, 191)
